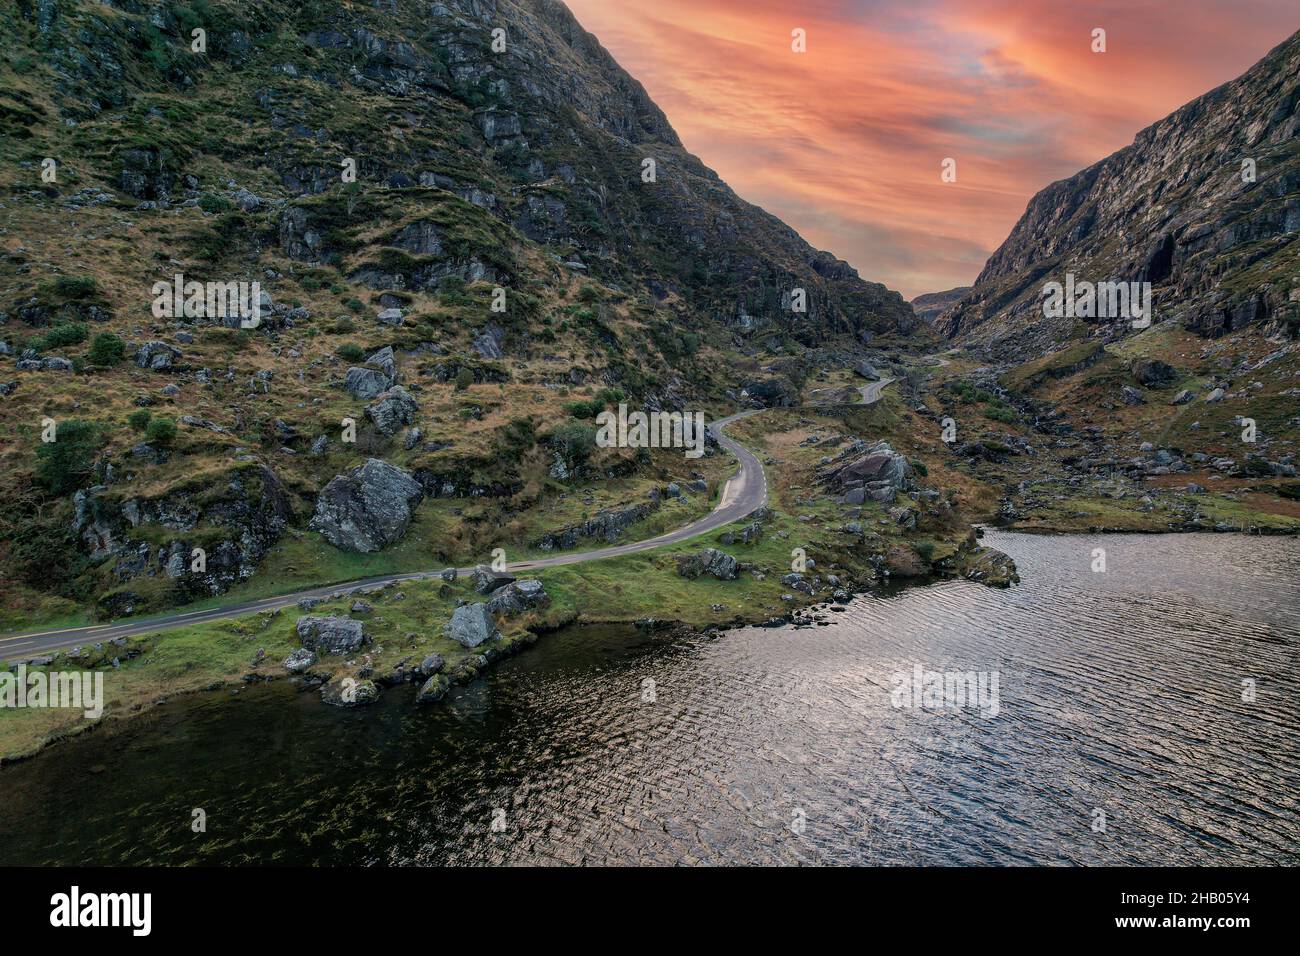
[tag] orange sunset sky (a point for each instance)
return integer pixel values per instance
(844, 142)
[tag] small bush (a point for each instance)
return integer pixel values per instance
(106, 349)
(464, 379)
(215, 203)
(350, 352)
(139, 420)
(65, 464)
(73, 333)
(161, 431)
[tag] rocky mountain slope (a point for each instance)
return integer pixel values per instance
(472, 231)
(930, 305)
(1204, 205)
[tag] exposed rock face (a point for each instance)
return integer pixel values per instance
(250, 513)
(367, 509)
(604, 526)
(330, 635)
(709, 561)
(518, 597)
(931, 305)
(393, 409)
(471, 625)
(1172, 209)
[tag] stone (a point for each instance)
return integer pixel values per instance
(366, 382)
(471, 625)
(448, 574)
(1183, 397)
(1153, 373)
(433, 690)
(393, 409)
(518, 597)
(156, 355)
(330, 635)
(1131, 396)
(390, 317)
(1215, 396)
(710, 561)
(349, 692)
(431, 665)
(367, 509)
(299, 660)
(485, 580)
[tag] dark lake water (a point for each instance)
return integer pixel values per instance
(1119, 700)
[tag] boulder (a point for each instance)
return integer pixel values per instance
(390, 317)
(1183, 397)
(393, 409)
(330, 635)
(471, 625)
(367, 509)
(1153, 373)
(433, 690)
(431, 665)
(366, 382)
(156, 355)
(1132, 396)
(709, 561)
(485, 580)
(518, 597)
(349, 692)
(299, 660)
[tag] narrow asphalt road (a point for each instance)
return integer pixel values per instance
(744, 492)
(871, 391)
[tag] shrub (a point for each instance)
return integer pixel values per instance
(161, 431)
(464, 379)
(60, 336)
(350, 352)
(215, 203)
(139, 420)
(106, 349)
(65, 464)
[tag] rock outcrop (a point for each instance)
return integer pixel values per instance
(367, 509)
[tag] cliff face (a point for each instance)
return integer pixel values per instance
(1173, 209)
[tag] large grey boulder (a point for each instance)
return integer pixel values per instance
(366, 382)
(156, 355)
(709, 561)
(485, 580)
(393, 409)
(330, 635)
(367, 509)
(877, 475)
(471, 625)
(518, 597)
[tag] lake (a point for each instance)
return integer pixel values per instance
(1149, 714)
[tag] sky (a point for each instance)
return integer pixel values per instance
(846, 141)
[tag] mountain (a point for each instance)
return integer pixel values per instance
(526, 242)
(1180, 208)
(930, 305)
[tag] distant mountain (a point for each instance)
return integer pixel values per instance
(1204, 204)
(930, 305)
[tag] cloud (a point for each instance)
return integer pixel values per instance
(844, 142)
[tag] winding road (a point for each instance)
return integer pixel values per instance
(744, 492)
